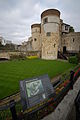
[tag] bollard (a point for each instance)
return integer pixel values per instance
(71, 79)
(13, 110)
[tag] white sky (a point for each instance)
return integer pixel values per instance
(16, 16)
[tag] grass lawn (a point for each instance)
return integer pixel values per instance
(13, 71)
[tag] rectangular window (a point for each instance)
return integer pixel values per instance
(48, 34)
(35, 39)
(54, 45)
(45, 20)
(73, 39)
(66, 27)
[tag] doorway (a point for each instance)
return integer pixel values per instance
(64, 49)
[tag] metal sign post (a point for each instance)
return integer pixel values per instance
(13, 110)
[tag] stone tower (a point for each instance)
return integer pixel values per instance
(50, 33)
(36, 36)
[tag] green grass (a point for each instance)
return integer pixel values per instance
(13, 71)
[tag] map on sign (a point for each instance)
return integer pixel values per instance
(33, 88)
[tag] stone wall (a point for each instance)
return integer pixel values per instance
(4, 55)
(7, 55)
(50, 46)
(71, 41)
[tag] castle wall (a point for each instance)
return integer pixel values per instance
(71, 41)
(50, 46)
(52, 25)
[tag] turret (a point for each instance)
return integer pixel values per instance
(36, 30)
(50, 31)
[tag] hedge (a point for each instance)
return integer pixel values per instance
(73, 59)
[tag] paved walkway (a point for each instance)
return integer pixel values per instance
(66, 109)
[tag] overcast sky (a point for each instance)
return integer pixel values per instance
(16, 16)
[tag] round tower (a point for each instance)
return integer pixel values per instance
(50, 32)
(35, 31)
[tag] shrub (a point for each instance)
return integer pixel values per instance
(19, 57)
(73, 59)
(32, 57)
